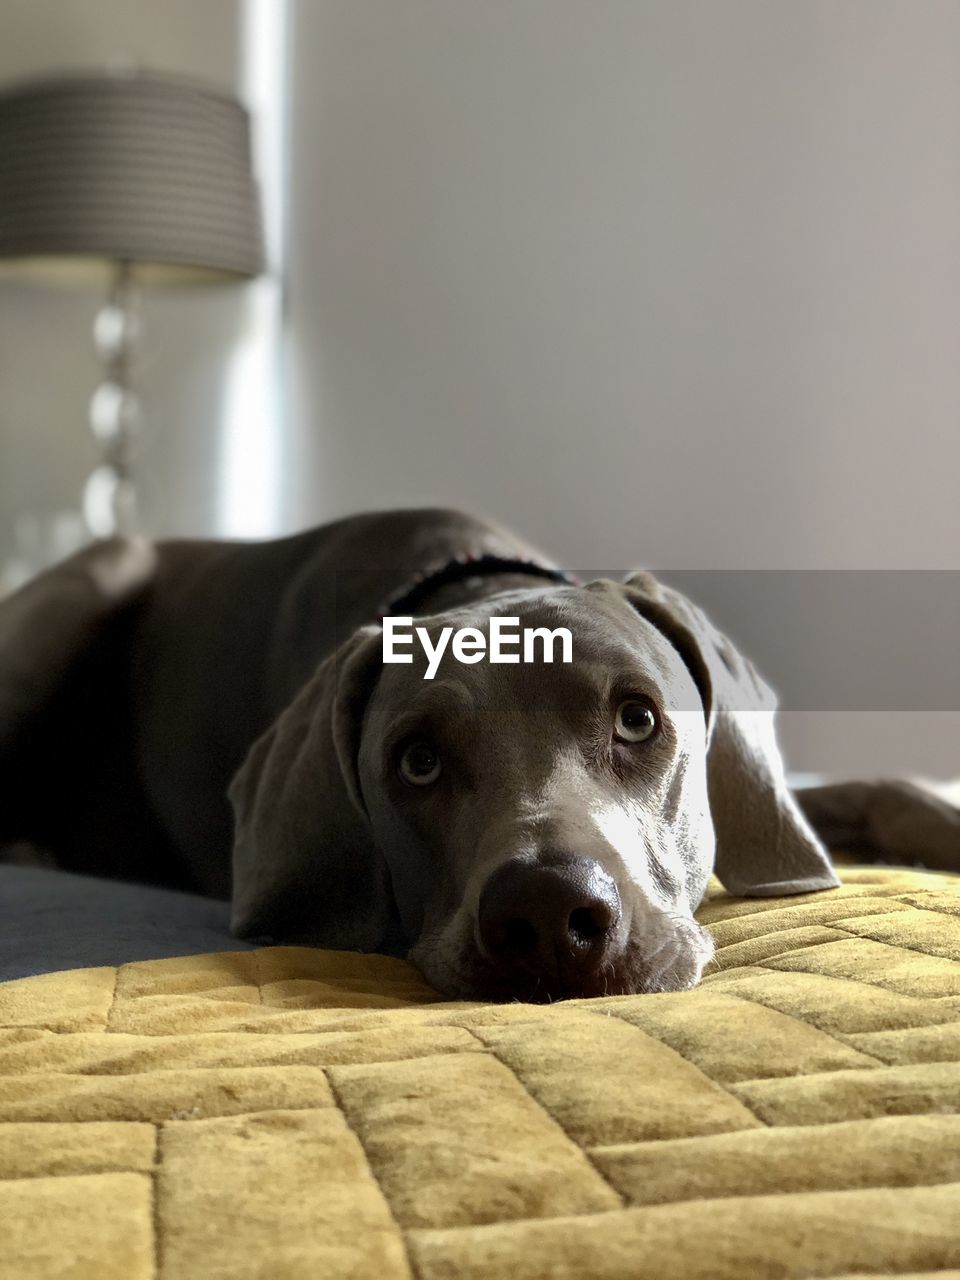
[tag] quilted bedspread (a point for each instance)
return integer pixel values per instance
(295, 1113)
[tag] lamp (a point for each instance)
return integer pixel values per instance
(125, 178)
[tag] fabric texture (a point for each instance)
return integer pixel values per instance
(284, 1112)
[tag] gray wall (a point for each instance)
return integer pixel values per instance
(677, 282)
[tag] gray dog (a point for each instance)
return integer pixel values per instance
(530, 830)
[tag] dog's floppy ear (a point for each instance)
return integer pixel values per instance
(765, 846)
(305, 865)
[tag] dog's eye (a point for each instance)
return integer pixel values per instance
(419, 764)
(634, 721)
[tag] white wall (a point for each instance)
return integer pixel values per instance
(672, 283)
(48, 367)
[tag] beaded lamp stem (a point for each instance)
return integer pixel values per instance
(110, 496)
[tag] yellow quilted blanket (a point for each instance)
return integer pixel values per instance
(293, 1113)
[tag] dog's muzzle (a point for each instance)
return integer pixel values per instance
(548, 927)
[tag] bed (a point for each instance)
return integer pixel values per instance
(187, 1108)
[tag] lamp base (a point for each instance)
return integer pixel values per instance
(110, 494)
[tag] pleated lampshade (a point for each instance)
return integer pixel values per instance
(151, 171)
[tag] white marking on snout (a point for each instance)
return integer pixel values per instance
(623, 829)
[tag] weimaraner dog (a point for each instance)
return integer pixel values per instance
(526, 830)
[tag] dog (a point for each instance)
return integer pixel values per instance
(218, 716)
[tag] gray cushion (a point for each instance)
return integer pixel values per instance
(52, 920)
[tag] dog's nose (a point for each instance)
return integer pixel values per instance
(550, 921)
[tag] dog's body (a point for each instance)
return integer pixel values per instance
(181, 655)
(535, 831)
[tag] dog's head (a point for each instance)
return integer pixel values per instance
(534, 830)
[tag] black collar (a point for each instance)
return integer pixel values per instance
(460, 568)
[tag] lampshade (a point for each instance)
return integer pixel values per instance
(152, 171)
